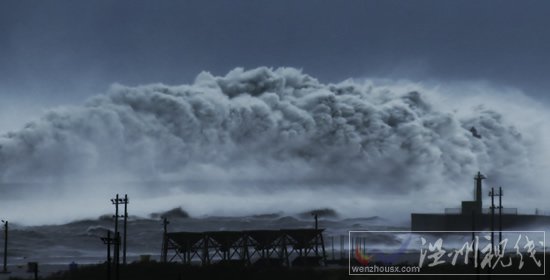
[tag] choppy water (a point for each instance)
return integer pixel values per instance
(79, 241)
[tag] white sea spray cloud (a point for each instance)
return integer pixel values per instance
(275, 129)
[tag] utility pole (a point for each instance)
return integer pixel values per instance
(499, 194)
(164, 253)
(116, 202)
(316, 235)
(117, 264)
(126, 201)
(316, 221)
(500, 219)
(108, 241)
(5, 269)
(492, 195)
(493, 248)
(116, 255)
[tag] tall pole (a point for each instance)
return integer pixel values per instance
(316, 235)
(125, 227)
(117, 264)
(476, 253)
(164, 253)
(108, 241)
(316, 222)
(116, 201)
(492, 194)
(5, 270)
(36, 272)
(499, 218)
(109, 255)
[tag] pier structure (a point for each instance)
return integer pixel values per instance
(286, 247)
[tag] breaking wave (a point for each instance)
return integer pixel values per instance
(268, 129)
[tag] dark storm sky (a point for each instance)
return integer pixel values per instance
(55, 52)
(63, 51)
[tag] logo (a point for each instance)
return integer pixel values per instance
(365, 259)
(362, 258)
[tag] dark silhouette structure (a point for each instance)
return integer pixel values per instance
(5, 267)
(117, 201)
(108, 241)
(33, 268)
(492, 194)
(288, 247)
(473, 215)
(125, 201)
(116, 240)
(164, 250)
(500, 194)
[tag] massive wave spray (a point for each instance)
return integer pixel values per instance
(274, 129)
